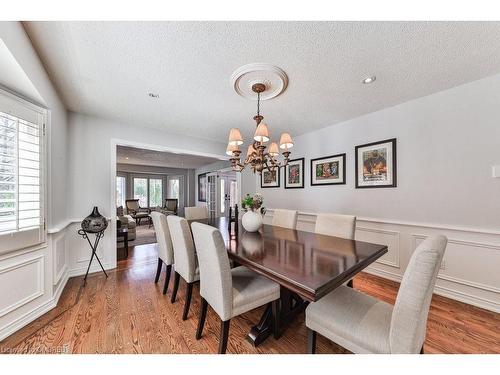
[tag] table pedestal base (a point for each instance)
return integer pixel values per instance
(291, 306)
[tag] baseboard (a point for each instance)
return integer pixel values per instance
(80, 271)
(443, 291)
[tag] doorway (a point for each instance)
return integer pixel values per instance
(228, 192)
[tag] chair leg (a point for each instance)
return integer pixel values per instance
(224, 334)
(276, 318)
(203, 315)
(350, 284)
(311, 341)
(158, 270)
(176, 286)
(167, 279)
(189, 293)
(422, 350)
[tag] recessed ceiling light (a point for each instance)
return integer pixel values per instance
(153, 95)
(368, 80)
(126, 158)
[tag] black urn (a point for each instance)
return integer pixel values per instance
(95, 222)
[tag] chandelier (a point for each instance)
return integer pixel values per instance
(257, 157)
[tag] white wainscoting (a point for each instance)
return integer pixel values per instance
(21, 281)
(469, 272)
(31, 282)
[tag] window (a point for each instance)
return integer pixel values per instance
(141, 191)
(222, 195)
(149, 191)
(173, 188)
(155, 192)
(21, 192)
(120, 191)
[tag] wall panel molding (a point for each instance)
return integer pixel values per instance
(38, 291)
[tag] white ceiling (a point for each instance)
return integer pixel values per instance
(138, 156)
(108, 68)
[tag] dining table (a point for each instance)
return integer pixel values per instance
(305, 264)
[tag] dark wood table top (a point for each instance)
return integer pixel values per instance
(309, 264)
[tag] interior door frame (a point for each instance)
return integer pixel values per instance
(114, 143)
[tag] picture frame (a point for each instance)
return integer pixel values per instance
(294, 174)
(202, 187)
(328, 170)
(266, 180)
(376, 164)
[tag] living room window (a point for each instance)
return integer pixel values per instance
(149, 191)
(21, 173)
(121, 192)
(155, 192)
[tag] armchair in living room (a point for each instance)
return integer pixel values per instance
(171, 205)
(127, 222)
(136, 211)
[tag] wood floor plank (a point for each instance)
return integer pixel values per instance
(127, 313)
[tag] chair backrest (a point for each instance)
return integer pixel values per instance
(285, 218)
(409, 317)
(216, 284)
(336, 225)
(171, 204)
(132, 205)
(184, 251)
(196, 213)
(165, 249)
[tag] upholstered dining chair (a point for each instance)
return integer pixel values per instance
(165, 249)
(336, 225)
(136, 211)
(195, 213)
(186, 262)
(285, 218)
(230, 292)
(363, 324)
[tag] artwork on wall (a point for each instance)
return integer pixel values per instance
(202, 187)
(376, 164)
(269, 179)
(328, 170)
(294, 174)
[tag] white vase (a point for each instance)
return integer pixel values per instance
(251, 221)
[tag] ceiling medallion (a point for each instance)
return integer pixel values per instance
(274, 78)
(257, 157)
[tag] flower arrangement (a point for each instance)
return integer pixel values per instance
(253, 203)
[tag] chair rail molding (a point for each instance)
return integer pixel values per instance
(467, 273)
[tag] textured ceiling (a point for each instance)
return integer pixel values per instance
(108, 68)
(137, 156)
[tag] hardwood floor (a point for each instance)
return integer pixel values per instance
(127, 313)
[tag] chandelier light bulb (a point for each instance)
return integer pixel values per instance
(261, 133)
(286, 141)
(235, 137)
(273, 149)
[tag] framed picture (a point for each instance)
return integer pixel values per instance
(328, 170)
(294, 174)
(202, 187)
(376, 164)
(269, 179)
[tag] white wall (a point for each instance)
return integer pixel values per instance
(32, 279)
(446, 145)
